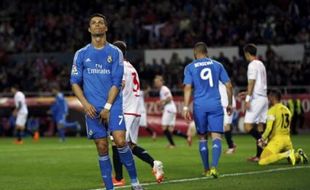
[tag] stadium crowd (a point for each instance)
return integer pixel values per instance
(40, 74)
(49, 26)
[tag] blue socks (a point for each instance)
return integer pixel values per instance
(204, 153)
(106, 171)
(216, 152)
(61, 133)
(127, 160)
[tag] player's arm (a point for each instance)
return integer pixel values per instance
(187, 92)
(269, 126)
(270, 122)
(76, 80)
(252, 75)
(117, 78)
(229, 90)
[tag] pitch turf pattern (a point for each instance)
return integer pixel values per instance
(51, 165)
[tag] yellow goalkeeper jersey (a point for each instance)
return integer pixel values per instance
(278, 121)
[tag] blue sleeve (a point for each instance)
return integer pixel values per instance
(118, 70)
(224, 78)
(77, 69)
(187, 76)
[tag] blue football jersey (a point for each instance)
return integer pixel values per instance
(204, 76)
(96, 71)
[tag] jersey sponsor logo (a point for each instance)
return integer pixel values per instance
(109, 59)
(74, 70)
(98, 70)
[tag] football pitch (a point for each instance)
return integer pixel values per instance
(51, 165)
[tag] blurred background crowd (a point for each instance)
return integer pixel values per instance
(48, 26)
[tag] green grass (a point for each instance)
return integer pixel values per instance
(73, 165)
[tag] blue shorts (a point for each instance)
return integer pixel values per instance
(209, 121)
(96, 129)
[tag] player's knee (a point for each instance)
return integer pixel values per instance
(216, 136)
(247, 127)
(102, 147)
(120, 142)
(227, 127)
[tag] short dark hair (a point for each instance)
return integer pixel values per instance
(201, 47)
(121, 45)
(98, 15)
(251, 49)
(275, 93)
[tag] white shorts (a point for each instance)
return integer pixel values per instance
(227, 118)
(21, 120)
(132, 128)
(143, 120)
(168, 118)
(258, 110)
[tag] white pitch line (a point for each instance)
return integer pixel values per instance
(65, 147)
(221, 176)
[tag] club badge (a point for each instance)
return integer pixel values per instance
(109, 59)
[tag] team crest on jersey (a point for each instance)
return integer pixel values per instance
(109, 59)
(74, 70)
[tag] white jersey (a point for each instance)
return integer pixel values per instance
(141, 102)
(224, 97)
(19, 98)
(164, 94)
(131, 90)
(257, 72)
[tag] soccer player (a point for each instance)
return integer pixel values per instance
(132, 108)
(277, 134)
(20, 112)
(169, 112)
(203, 75)
(96, 79)
(256, 101)
(59, 111)
(227, 119)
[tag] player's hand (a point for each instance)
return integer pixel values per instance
(229, 110)
(187, 115)
(90, 110)
(104, 115)
(261, 143)
(242, 95)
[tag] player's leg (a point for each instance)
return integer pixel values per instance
(97, 132)
(61, 131)
(118, 179)
(104, 162)
(201, 124)
(228, 133)
(165, 126)
(272, 152)
(20, 127)
(215, 120)
(140, 152)
(258, 108)
(117, 126)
